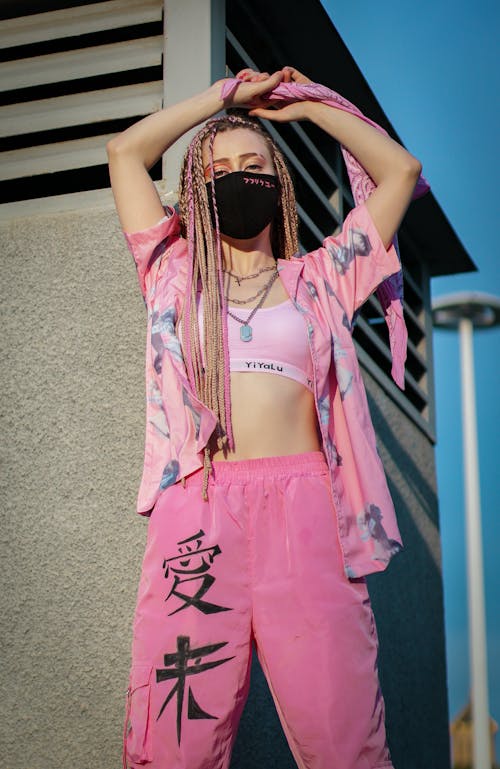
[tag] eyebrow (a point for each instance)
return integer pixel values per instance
(240, 157)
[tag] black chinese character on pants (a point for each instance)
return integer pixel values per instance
(177, 666)
(189, 568)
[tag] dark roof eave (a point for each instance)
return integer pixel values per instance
(435, 238)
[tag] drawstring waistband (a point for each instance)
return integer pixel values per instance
(243, 470)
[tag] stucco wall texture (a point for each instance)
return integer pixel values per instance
(72, 425)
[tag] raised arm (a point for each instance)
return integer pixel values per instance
(133, 152)
(394, 170)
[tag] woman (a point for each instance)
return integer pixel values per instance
(261, 476)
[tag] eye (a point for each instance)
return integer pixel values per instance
(218, 172)
(255, 167)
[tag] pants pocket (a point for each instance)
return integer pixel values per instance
(137, 739)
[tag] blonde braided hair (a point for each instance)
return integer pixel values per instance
(211, 383)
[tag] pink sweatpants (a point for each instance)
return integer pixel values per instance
(259, 561)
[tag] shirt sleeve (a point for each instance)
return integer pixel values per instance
(149, 246)
(356, 261)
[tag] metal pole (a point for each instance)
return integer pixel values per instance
(477, 623)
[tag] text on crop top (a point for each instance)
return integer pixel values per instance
(279, 343)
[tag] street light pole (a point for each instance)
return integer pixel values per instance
(466, 311)
(477, 621)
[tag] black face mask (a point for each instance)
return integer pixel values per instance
(246, 203)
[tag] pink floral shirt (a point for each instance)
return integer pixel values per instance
(327, 287)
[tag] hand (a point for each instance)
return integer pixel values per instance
(292, 75)
(289, 75)
(282, 112)
(250, 92)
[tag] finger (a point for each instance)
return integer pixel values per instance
(294, 76)
(249, 75)
(252, 92)
(267, 83)
(267, 114)
(258, 103)
(258, 77)
(246, 73)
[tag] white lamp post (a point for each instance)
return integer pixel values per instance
(466, 311)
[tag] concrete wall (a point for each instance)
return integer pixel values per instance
(73, 326)
(408, 598)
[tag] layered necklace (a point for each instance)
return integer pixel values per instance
(246, 329)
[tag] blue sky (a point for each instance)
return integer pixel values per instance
(433, 67)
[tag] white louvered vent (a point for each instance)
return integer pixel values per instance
(71, 78)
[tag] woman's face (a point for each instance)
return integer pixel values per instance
(238, 149)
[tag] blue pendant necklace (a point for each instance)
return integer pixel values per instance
(246, 329)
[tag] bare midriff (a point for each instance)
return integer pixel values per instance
(272, 415)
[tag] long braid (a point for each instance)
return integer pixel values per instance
(211, 382)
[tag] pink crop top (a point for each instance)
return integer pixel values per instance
(279, 343)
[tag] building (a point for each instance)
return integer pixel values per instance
(75, 73)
